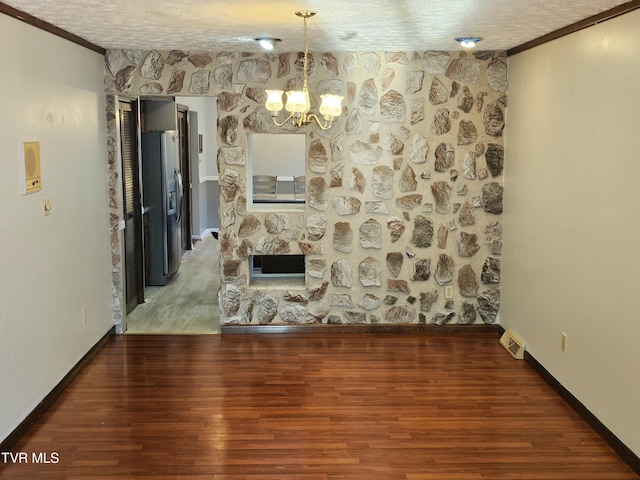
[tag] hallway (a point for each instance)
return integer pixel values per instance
(188, 304)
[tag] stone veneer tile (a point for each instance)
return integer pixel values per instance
(413, 125)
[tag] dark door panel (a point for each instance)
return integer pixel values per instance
(132, 209)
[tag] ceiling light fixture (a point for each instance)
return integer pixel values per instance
(468, 42)
(268, 43)
(298, 101)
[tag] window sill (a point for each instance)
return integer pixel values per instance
(278, 282)
(281, 206)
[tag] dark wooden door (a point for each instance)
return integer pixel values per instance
(183, 131)
(132, 209)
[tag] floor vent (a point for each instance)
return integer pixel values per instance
(512, 344)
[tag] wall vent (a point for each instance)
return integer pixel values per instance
(512, 344)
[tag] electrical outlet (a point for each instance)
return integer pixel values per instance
(563, 343)
(448, 292)
(84, 314)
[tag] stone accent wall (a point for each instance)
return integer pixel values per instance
(404, 193)
(115, 212)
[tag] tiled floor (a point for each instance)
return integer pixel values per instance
(189, 302)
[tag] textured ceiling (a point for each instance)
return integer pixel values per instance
(341, 25)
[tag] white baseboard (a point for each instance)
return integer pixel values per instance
(207, 232)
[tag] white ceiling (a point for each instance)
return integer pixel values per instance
(340, 25)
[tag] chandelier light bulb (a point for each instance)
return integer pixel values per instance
(331, 105)
(274, 100)
(297, 101)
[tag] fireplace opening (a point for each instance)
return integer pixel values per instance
(286, 269)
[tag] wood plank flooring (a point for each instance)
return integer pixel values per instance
(312, 407)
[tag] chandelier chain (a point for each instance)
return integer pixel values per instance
(306, 51)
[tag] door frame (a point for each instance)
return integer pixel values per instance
(184, 133)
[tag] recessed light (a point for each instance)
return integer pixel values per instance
(468, 42)
(268, 43)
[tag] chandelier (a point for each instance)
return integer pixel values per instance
(298, 101)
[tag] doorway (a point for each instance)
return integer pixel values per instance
(188, 303)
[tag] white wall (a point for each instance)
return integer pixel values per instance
(50, 91)
(211, 197)
(211, 138)
(282, 154)
(572, 230)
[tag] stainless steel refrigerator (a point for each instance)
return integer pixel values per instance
(162, 200)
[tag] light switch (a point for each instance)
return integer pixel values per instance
(448, 292)
(46, 207)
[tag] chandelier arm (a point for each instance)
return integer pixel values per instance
(324, 126)
(275, 119)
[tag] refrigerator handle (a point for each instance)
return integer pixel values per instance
(178, 178)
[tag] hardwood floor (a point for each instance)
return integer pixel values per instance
(312, 407)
